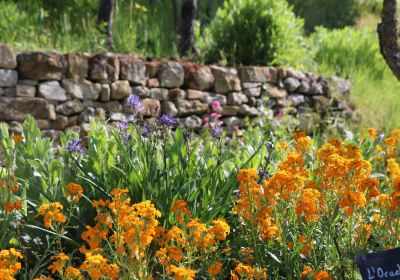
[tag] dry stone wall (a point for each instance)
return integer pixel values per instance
(66, 91)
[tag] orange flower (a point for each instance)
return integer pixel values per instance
(59, 263)
(17, 138)
(246, 175)
(372, 133)
(52, 213)
(72, 273)
(11, 206)
(180, 209)
(74, 191)
(181, 273)
(215, 268)
(306, 271)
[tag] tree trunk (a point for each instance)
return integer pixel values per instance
(387, 31)
(176, 16)
(105, 20)
(187, 40)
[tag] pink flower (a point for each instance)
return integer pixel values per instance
(216, 106)
(215, 116)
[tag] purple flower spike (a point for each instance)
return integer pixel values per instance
(146, 130)
(134, 103)
(75, 145)
(216, 132)
(167, 120)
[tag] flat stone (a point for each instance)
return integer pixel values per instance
(248, 110)
(104, 68)
(194, 107)
(226, 79)
(52, 90)
(19, 107)
(120, 90)
(169, 108)
(16, 127)
(71, 107)
(1, 91)
(133, 69)
(117, 117)
(231, 122)
(230, 110)
(52, 112)
(28, 82)
(151, 107)
(338, 88)
(25, 91)
(112, 106)
(195, 94)
(8, 60)
(153, 83)
(193, 122)
(105, 93)
(10, 92)
(304, 87)
(275, 92)
(251, 85)
(236, 98)
(152, 68)
(253, 92)
(82, 89)
(316, 88)
(141, 91)
(258, 74)
(53, 134)
(88, 103)
(8, 78)
(176, 94)
(210, 97)
(41, 65)
(291, 84)
(198, 77)
(43, 124)
(296, 99)
(171, 75)
(60, 122)
(296, 74)
(159, 93)
(78, 65)
(87, 115)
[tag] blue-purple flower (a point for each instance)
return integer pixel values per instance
(134, 103)
(75, 145)
(216, 132)
(146, 130)
(166, 120)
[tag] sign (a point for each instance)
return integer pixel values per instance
(384, 265)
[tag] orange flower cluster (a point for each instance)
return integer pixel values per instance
(316, 275)
(392, 143)
(185, 244)
(9, 263)
(52, 213)
(10, 201)
(131, 228)
(243, 271)
(97, 267)
(74, 192)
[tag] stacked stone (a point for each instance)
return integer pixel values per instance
(65, 91)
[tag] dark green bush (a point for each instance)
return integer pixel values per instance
(326, 13)
(253, 32)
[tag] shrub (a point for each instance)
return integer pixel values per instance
(253, 32)
(327, 13)
(347, 49)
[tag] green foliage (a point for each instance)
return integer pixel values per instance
(327, 13)
(355, 54)
(253, 32)
(347, 49)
